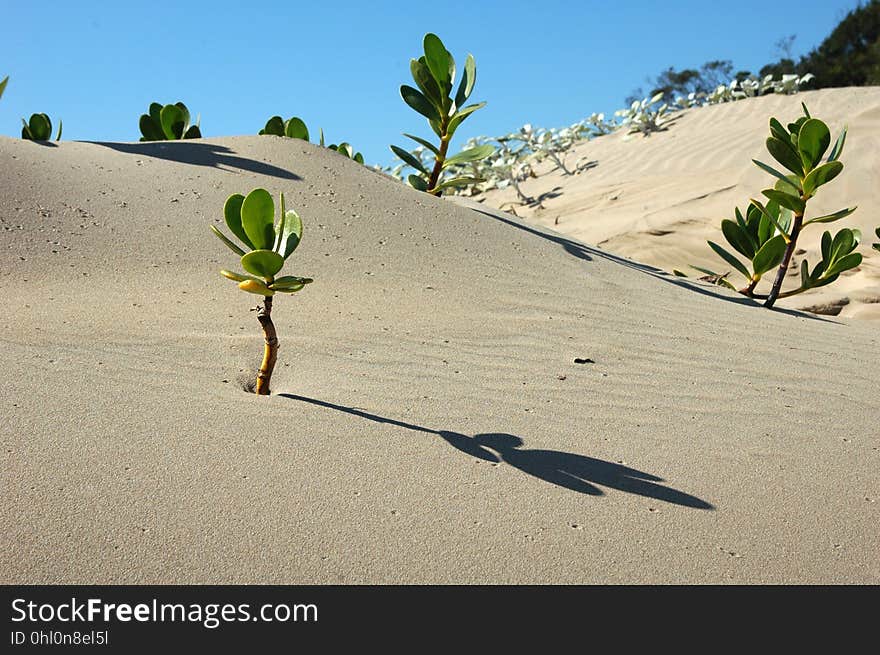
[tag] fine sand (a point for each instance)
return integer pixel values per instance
(657, 199)
(429, 423)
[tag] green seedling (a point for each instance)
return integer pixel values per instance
(767, 235)
(293, 127)
(39, 128)
(346, 149)
(168, 123)
(3, 85)
(267, 246)
(434, 75)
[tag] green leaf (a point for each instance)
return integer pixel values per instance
(291, 234)
(193, 132)
(471, 154)
(730, 259)
(468, 77)
(171, 121)
(806, 111)
(805, 275)
(232, 215)
(274, 126)
(295, 128)
(813, 140)
(426, 82)
(820, 175)
(258, 218)
(265, 263)
(845, 263)
(777, 130)
(785, 200)
(150, 130)
(410, 159)
(417, 182)
(738, 238)
(439, 61)
(232, 246)
(40, 127)
(843, 243)
(837, 150)
(770, 255)
(459, 117)
(765, 211)
(830, 218)
(415, 99)
(3, 85)
(459, 181)
(290, 281)
(430, 146)
(782, 176)
(785, 154)
(60, 125)
(826, 246)
(155, 112)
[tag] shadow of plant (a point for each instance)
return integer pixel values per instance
(199, 154)
(568, 470)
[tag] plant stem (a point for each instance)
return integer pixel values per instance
(438, 166)
(270, 353)
(783, 267)
(749, 290)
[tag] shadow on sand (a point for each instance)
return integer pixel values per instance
(568, 470)
(199, 153)
(588, 253)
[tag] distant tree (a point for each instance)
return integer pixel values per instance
(849, 56)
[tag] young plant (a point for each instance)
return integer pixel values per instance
(434, 75)
(346, 150)
(39, 128)
(267, 245)
(293, 127)
(641, 117)
(168, 123)
(768, 234)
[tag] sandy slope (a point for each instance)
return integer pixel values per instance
(429, 423)
(658, 199)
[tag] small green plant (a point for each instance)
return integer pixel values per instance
(267, 246)
(3, 85)
(434, 75)
(168, 123)
(39, 128)
(293, 127)
(346, 150)
(767, 236)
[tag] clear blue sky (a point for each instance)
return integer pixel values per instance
(339, 65)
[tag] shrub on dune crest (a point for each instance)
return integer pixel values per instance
(39, 128)
(168, 123)
(767, 235)
(267, 246)
(295, 128)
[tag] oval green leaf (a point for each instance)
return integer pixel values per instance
(258, 219)
(264, 263)
(813, 140)
(770, 255)
(821, 175)
(415, 99)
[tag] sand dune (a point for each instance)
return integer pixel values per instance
(428, 422)
(658, 199)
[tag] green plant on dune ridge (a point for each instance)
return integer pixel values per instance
(39, 128)
(168, 123)
(295, 128)
(267, 246)
(3, 85)
(768, 234)
(434, 75)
